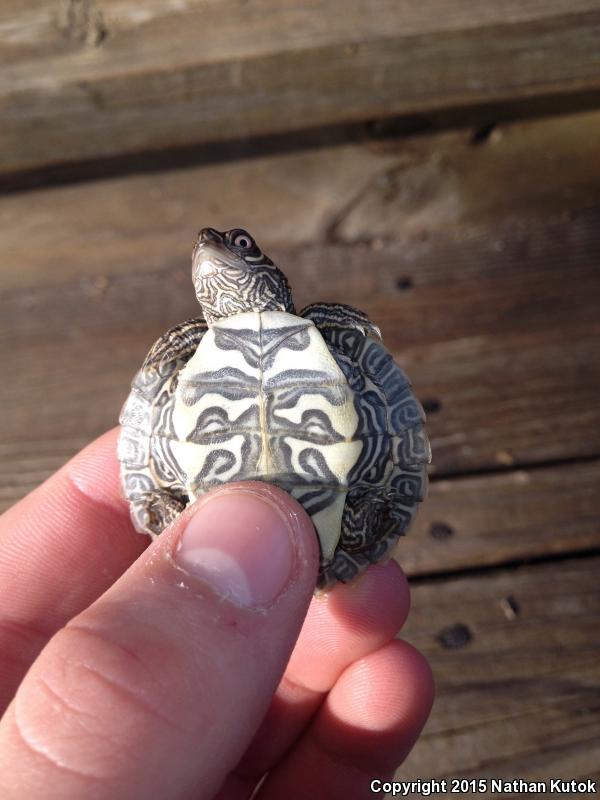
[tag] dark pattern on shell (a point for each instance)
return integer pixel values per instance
(407, 483)
(311, 379)
(230, 382)
(281, 392)
(151, 478)
(412, 448)
(313, 463)
(167, 469)
(259, 348)
(163, 424)
(390, 478)
(136, 484)
(370, 468)
(215, 424)
(348, 341)
(315, 499)
(351, 370)
(312, 492)
(314, 426)
(148, 381)
(288, 396)
(133, 449)
(386, 483)
(220, 462)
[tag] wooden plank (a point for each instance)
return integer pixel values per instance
(509, 383)
(522, 399)
(495, 519)
(91, 80)
(150, 221)
(516, 659)
(409, 191)
(491, 306)
(457, 292)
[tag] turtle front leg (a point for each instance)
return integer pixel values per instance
(338, 315)
(151, 512)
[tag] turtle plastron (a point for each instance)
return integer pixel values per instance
(312, 403)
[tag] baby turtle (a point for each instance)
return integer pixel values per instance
(253, 390)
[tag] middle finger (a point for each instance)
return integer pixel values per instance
(342, 626)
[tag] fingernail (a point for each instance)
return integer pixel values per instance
(241, 544)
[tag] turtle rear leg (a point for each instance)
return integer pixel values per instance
(152, 511)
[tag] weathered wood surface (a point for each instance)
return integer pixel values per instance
(505, 386)
(476, 251)
(75, 346)
(85, 80)
(406, 190)
(518, 515)
(469, 285)
(515, 655)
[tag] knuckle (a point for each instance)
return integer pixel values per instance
(117, 676)
(87, 707)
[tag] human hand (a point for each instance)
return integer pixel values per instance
(123, 674)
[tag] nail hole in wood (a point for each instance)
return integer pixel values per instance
(431, 405)
(455, 637)
(440, 530)
(404, 284)
(481, 135)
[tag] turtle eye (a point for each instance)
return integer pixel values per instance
(243, 240)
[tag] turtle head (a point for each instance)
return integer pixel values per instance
(231, 275)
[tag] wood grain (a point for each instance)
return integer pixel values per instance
(88, 80)
(488, 299)
(517, 691)
(407, 190)
(508, 383)
(475, 250)
(521, 514)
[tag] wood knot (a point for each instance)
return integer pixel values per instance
(455, 637)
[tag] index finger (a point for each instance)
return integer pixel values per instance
(61, 547)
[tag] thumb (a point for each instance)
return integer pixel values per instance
(157, 689)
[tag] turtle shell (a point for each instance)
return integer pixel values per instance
(327, 416)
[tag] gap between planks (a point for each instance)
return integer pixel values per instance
(244, 69)
(516, 681)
